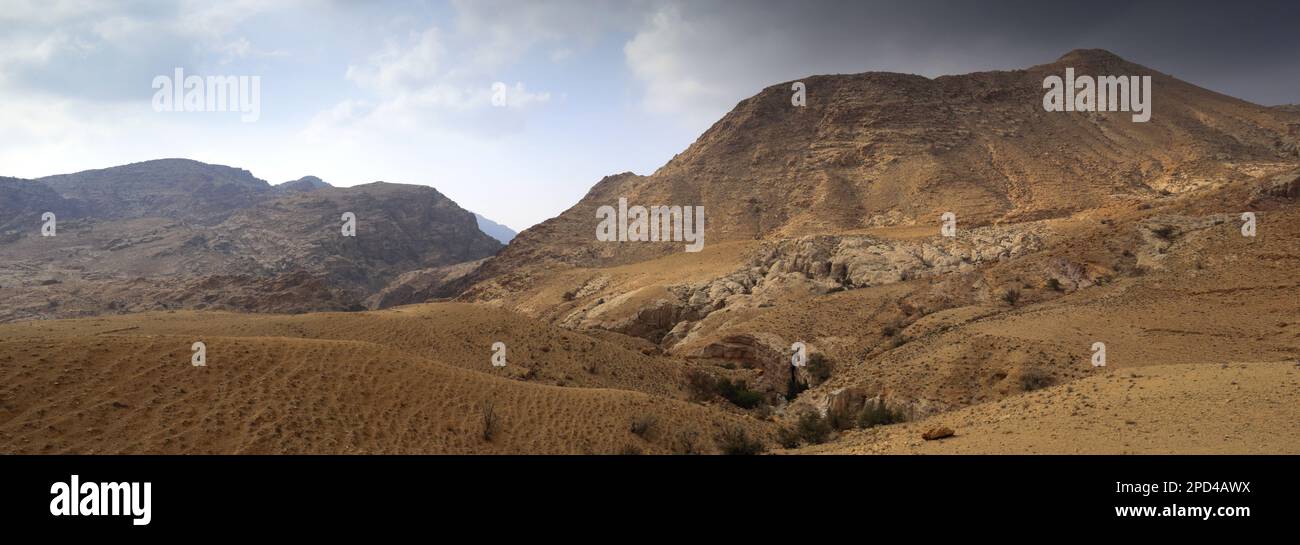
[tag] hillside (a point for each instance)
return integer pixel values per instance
(182, 234)
(824, 228)
(880, 150)
(410, 380)
(1174, 245)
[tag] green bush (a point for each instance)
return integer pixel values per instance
(738, 393)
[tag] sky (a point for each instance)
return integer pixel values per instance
(403, 91)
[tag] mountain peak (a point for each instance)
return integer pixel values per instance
(305, 183)
(1090, 55)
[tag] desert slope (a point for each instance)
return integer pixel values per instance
(1230, 408)
(125, 385)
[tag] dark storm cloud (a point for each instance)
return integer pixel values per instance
(1245, 49)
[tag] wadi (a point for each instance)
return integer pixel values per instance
(899, 264)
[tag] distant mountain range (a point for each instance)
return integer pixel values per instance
(494, 229)
(176, 233)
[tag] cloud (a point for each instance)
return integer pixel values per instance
(435, 79)
(402, 68)
(111, 51)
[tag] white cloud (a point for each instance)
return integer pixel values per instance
(400, 69)
(425, 81)
(670, 56)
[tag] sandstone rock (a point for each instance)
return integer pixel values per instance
(937, 433)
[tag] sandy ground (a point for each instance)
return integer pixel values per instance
(126, 385)
(1233, 408)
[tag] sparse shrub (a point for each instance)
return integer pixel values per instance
(642, 425)
(1011, 296)
(889, 330)
(819, 368)
(813, 428)
(489, 420)
(736, 441)
(699, 385)
(1053, 284)
(702, 387)
(898, 341)
(686, 443)
(1164, 232)
(839, 420)
(879, 413)
(630, 450)
(787, 437)
(738, 393)
(1035, 378)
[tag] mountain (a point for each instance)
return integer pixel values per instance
(23, 202)
(494, 229)
(305, 183)
(823, 228)
(1108, 286)
(169, 188)
(882, 149)
(176, 233)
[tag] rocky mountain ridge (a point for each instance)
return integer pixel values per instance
(176, 233)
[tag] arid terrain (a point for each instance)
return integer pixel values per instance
(823, 227)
